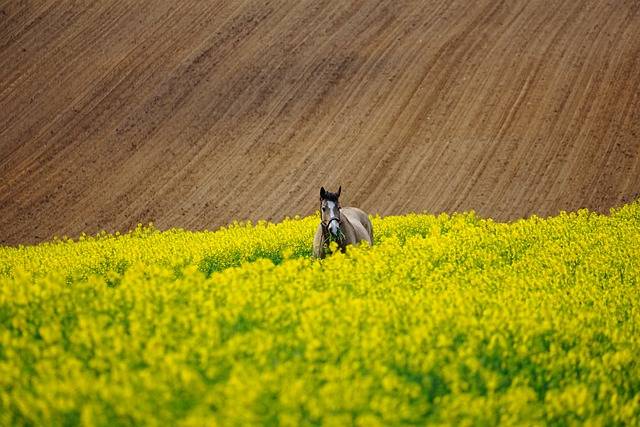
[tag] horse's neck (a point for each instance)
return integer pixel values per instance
(349, 231)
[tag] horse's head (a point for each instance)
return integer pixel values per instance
(330, 211)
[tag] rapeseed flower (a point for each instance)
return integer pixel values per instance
(448, 319)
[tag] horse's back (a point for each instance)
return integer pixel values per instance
(360, 222)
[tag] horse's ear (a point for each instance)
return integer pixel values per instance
(323, 193)
(339, 190)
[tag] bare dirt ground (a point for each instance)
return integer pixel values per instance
(193, 113)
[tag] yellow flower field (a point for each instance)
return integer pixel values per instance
(450, 320)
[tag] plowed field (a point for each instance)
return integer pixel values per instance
(193, 113)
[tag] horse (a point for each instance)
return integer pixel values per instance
(345, 226)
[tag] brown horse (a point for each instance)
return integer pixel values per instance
(345, 226)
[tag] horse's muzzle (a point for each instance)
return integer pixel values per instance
(333, 226)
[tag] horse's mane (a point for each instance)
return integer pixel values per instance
(332, 197)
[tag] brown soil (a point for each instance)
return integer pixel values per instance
(192, 113)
